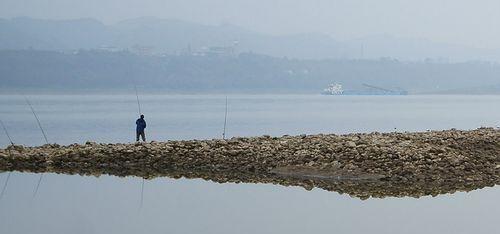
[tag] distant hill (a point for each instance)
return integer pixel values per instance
(166, 36)
(247, 72)
(420, 49)
(174, 37)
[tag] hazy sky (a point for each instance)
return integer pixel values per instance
(467, 22)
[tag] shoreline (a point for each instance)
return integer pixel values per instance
(362, 165)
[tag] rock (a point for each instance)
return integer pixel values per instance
(455, 159)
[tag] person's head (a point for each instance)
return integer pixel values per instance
(142, 116)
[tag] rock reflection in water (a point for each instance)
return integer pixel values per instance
(358, 188)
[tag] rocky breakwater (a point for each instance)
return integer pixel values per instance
(362, 165)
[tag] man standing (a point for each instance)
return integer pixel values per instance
(141, 125)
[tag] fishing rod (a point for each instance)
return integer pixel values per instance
(137, 96)
(37, 120)
(6, 132)
(143, 181)
(225, 122)
(4, 188)
(46, 141)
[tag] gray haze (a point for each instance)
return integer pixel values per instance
(470, 23)
(250, 46)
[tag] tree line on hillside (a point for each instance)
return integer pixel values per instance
(93, 69)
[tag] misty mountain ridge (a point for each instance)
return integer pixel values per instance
(172, 36)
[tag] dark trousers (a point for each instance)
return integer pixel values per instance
(142, 134)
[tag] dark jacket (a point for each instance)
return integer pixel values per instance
(141, 125)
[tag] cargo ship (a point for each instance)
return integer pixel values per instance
(337, 89)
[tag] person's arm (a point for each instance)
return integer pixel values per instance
(144, 123)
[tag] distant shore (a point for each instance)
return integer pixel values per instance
(451, 159)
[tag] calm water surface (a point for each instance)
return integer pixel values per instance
(75, 204)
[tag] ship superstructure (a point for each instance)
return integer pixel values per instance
(333, 89)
